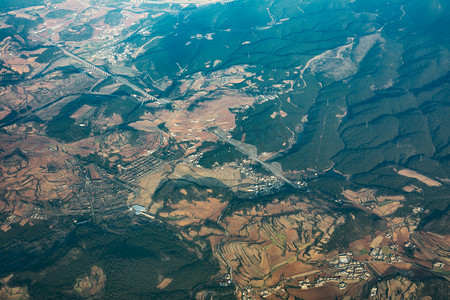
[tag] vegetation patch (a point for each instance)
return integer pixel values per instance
(358, 224)
(77, 33)
(133, 262)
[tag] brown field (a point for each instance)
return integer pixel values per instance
(328, 291)
(12, 293)
(264, 252)
(149, 184)
(227, 175)
(401, 235)
(16, 97)
(411, 188)
(376, 241)
(433, 247)
(185, 125)
(164, 283)
(4, 112)
(380, 205)
(193, 212)
(359, 245)
(361, 196)
(145, 125)
(81, 111)
(295, 269)
(205, 231)
(28, 181)
(383, 269)
(386, 209)
(369, 195)
(413, 174)
(113, 143)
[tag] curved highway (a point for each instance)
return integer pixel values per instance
(106, 74)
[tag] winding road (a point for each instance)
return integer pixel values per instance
(219, 246)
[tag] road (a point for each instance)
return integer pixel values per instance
(222, 135)
(82, 212)
(97, 70)
(219, 246)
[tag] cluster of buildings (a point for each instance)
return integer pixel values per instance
(194, 158)
(265, 186)
(97, 191)
(109, 32)
(113, 55)
(373, 291)
(417, 210)
(225, 280)
(140, 167)
(394, 247)
(320, 281)
(247, 293)
(264, 182)
(410, 245)
(378, 254)
(345, 269)
(264, 98)
(349, 269)
(38, 214)
(275, 290)
(138, 209)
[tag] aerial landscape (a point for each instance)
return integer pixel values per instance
(224, 149)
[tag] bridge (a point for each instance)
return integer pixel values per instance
(97, 70)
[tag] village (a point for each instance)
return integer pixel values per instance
(344, 269)
(264, 184)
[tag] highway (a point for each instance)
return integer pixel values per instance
(221, 135)
(274, 170)
(97, 70)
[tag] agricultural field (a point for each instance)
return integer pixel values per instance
(212, 149)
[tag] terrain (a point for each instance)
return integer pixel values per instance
(224, 149)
